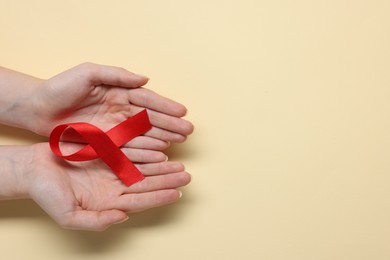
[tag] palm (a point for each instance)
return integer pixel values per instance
(105, 96)
(102, 106)
(89, 192)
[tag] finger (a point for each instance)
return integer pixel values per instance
(134, 154)
(167, 122)
(97, 74)
(144, 142)
(144, 156)
(142, 201)
(75, 144)
(149, 99)
(93, 220)
(149, 169)
(170, 123)
(160, 182)
(165, 135)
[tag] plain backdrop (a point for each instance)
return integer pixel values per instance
(290, 99)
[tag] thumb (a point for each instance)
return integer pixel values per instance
(97, 74)
(94, 220)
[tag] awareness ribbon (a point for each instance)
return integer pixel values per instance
(106, 145)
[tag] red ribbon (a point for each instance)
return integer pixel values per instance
(106, 146)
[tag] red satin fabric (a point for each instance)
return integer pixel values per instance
(106, 146)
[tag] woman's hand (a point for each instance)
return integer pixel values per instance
(105, 96)
(96, 94)
(88, 196)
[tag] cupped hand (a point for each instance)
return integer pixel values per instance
(88, 196)
(105, 96)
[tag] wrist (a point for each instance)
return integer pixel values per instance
(16, 162)
(37, 114)
(17, 98)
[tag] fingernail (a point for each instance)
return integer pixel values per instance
(166, 158)
(180, 194)
(121, 221)
(142, 76)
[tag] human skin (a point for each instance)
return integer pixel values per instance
(101, 95)
(87, 195)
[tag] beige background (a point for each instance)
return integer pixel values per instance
(290, 158)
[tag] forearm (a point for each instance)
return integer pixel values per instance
(15, 162)
(17, 98)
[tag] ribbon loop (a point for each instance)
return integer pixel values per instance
(106, 146)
